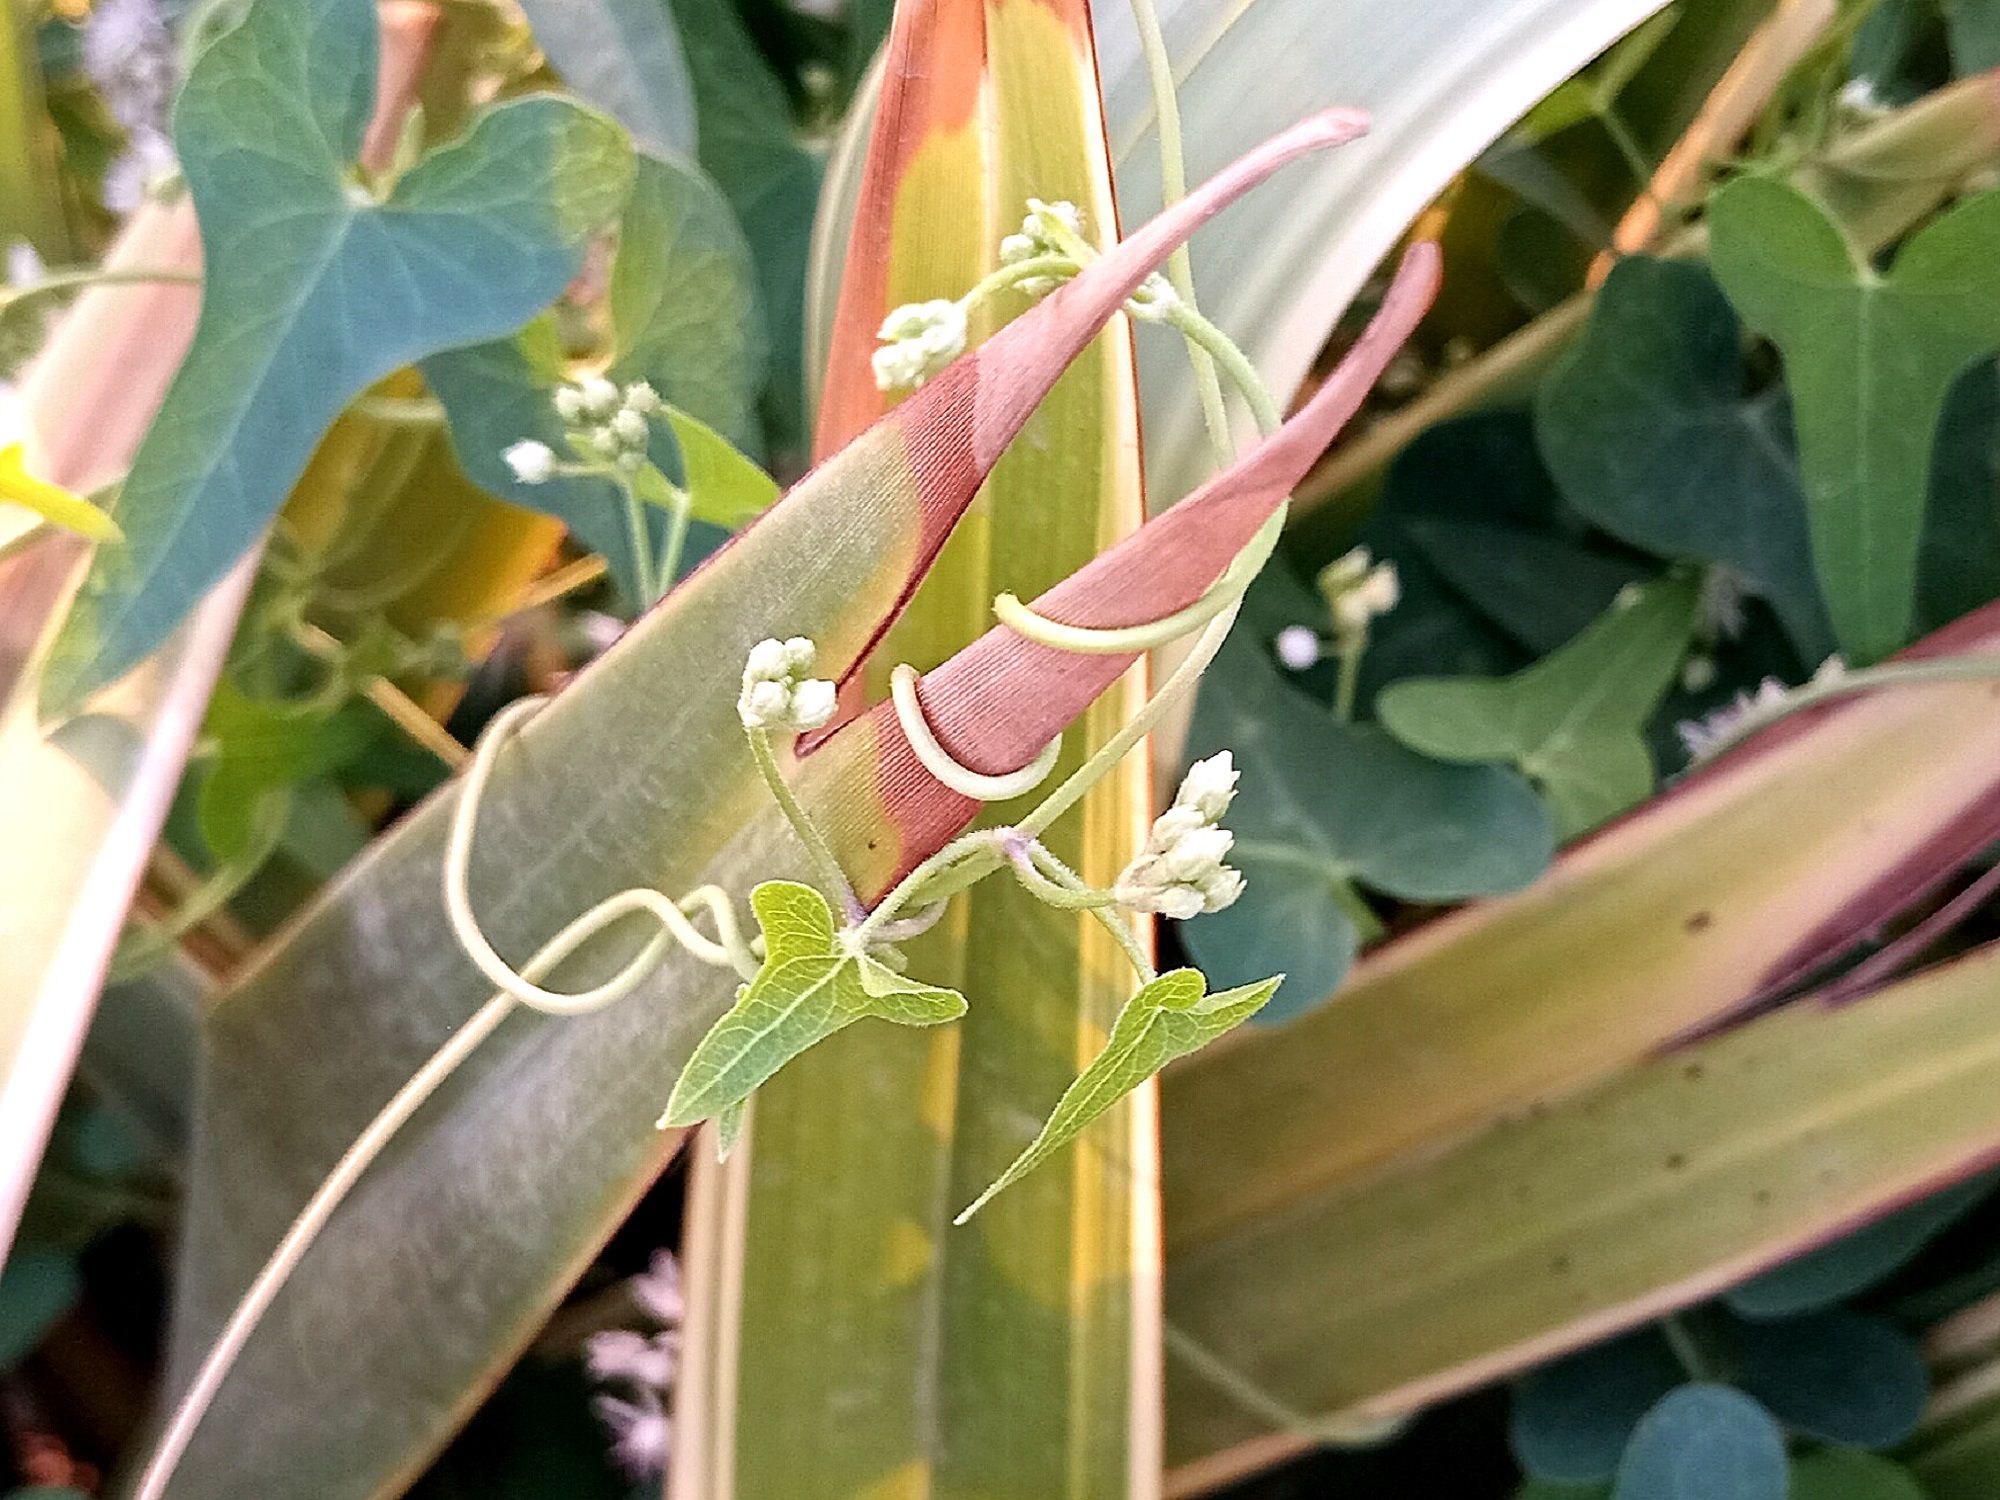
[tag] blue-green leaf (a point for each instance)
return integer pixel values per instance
(625, 57)
(1836, 1376)
(315, 289)
(1870, 357)
(36, 1288)
(1649, 433)
(1704, 1442)
(1323, 804)
(1572, 722)
(1570, 1421)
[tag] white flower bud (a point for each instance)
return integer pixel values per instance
(1298, 647)
(1208, 786)
(630, 428)
(600, 397)
(569, 404)
(919, 339)
(1375, 593)
(1221, 889)
(641, 398)
(1198, 856)
(778, 693)
(1155, 301)
(532, 462)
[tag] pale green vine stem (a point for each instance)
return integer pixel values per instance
(677, 529)
(1205, 338)
(938, 760)
(62, 282)
(1173, 188)
(1100, 904)
(821, 853)
(727, 949)
(641, 538)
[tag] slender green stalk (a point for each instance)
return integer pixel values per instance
(640, 536)
(676, 542)
(821, 852)
(1106, 912)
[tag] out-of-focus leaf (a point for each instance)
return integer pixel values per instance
(750, 147)
(624, 56)
(683, 318)
(1167, 1019)
(1855, 1262)
(810, 986)
(1705, 1442)
(1323, 804)
(1649, 432)
(1870, 359)
(262, 746)
(1570, 1420)
(1570, 723)
(314, 291)
(1960, 566)
(364, 985)
(1836, 1376)
(36, 1288)
(1838, 1474)
(1974, 27)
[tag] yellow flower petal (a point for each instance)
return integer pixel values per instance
(52, 502)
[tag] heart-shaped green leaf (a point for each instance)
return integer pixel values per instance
(1649, 433)
(1168, 1018)
(684, 318)
(1323, 804)
(810, 986)
(1572, 722)
(315, 289)
(1704, 1442)
(1870, 358)
(625, 57)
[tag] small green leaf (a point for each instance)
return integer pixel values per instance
(1169, 1018)
(1649, 432)
(1323, 804)
(264, 745)
(1572, 722)
(1570, 1420)
(724, 487)
(1841, 1474)
(1704, 1442)
(1870, 358)
(810, 986)
(1837, 1376)
(625, 57)
(314, 291)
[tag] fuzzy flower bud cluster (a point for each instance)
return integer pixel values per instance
(918, 340)
(1038, 238)
(779, 690)
(1180, 873)
(1357, 589)
(605, 424)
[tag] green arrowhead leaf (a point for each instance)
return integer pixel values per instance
(1572, 722)
(810, 986)
(315, 290)
(684, 318)
(1323, 804)
(1169, 1018)
(724, 487)
(1649, 433)
(1870, 358)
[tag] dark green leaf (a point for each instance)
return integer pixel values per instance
(1323, 803)
(1649, 433)
(1704, 1442)
(624, 56)
(1974, 28)
(36, 1288)
(315, 290)
(1571, 722)
(1855, 1262)
(1836, 1376)
(1570, 1420)
(1838, 1474)
(1960, 566)
(1870, 358)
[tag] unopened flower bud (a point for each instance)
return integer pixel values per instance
(919, 339)
(778, 693)
(532, 462)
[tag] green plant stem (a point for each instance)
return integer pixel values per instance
(642, 544)
(1686, 1348)
(1205, 336)
(61, 283)
(676, 542)
(1005, 278)
(821, 852)
(1109, 917)
(1348, 651)
(1173, 188)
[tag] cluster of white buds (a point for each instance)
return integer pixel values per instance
(1038, 238)
(1180, 873)
(1716, 731)
(639, 1370)
(1357, 589)
(779, 690)
(606, 425)
(918, 340)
